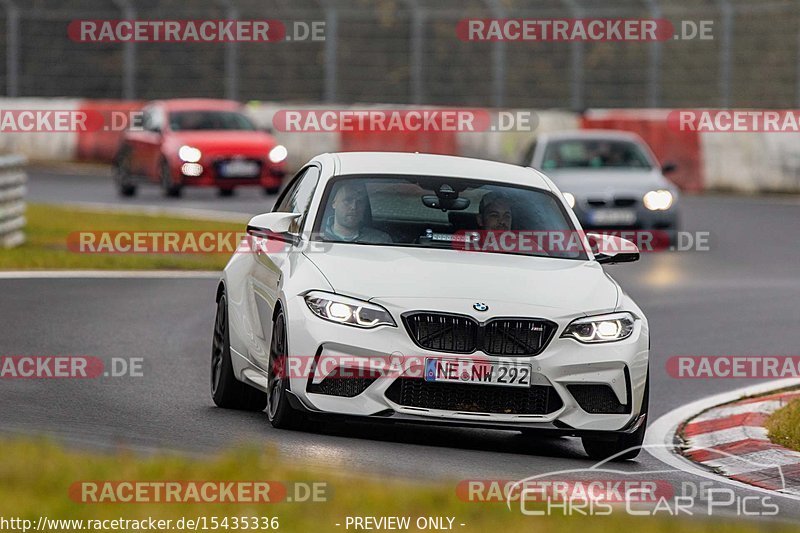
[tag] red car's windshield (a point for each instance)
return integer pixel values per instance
(209, 120)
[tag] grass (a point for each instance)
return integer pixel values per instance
(784, 425)
(36, 476)
(48, 228)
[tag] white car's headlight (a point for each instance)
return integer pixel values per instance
(349, 311)
(190, 154)
(278, 154)
(659, 200)
(570, 198)
(601, 328)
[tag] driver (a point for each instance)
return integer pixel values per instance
(494, 212)
(350, 204)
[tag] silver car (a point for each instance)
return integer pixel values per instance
(611, 179)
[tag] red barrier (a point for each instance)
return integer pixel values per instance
(432, 142)
(670, 146)
(102, 144)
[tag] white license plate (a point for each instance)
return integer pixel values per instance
(478, 372)
(605, 217)
(239, 169)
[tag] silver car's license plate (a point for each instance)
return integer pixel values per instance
(239, 169)
(605, 217)
(478, 372)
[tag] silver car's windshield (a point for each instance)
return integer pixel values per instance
(594, 153)
(441, 212)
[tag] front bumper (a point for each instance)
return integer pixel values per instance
(636, 217)
(269, 176)
(620, 367)
(552, 429)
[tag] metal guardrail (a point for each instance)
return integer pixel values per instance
(12, 200)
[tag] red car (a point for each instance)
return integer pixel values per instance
(207, 143)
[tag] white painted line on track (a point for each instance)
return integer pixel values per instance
(109, 274)
(660, 438)
(155, 210)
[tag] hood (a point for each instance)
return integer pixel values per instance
(602, 181)
(386, 273)
(214, 140)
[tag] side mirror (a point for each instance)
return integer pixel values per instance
(668, 168)
(610, 249)
(271, 224)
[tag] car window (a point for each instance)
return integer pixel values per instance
(444, 212)
(152, 119)
(594, 153)
(297, 197)
(209, 120)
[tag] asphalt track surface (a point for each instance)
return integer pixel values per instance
(741, 298)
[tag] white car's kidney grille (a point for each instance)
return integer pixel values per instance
(534, 400)
(461, 334)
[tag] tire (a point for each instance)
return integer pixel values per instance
(169, 188)
(227, 391)
(281, 415)
(125, 185)
(599, 448)
(269, 191)
(225, 193)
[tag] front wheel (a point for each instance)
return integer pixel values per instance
(225, 192)
(629, 443)
(269, 191)
(168, 186)
(281, 414)
(226, 390)
(125, 185)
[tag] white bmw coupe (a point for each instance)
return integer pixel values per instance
(432, 289)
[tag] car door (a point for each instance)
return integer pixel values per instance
(145, 145)
(271, 261)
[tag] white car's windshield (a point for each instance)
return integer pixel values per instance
(440, 212)
(594, 153)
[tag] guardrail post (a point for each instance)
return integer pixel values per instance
(12, 48)
(128, 53)
(12, 200)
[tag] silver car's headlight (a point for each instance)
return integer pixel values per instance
(348, 311)
(601, 328)
(659, 200)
